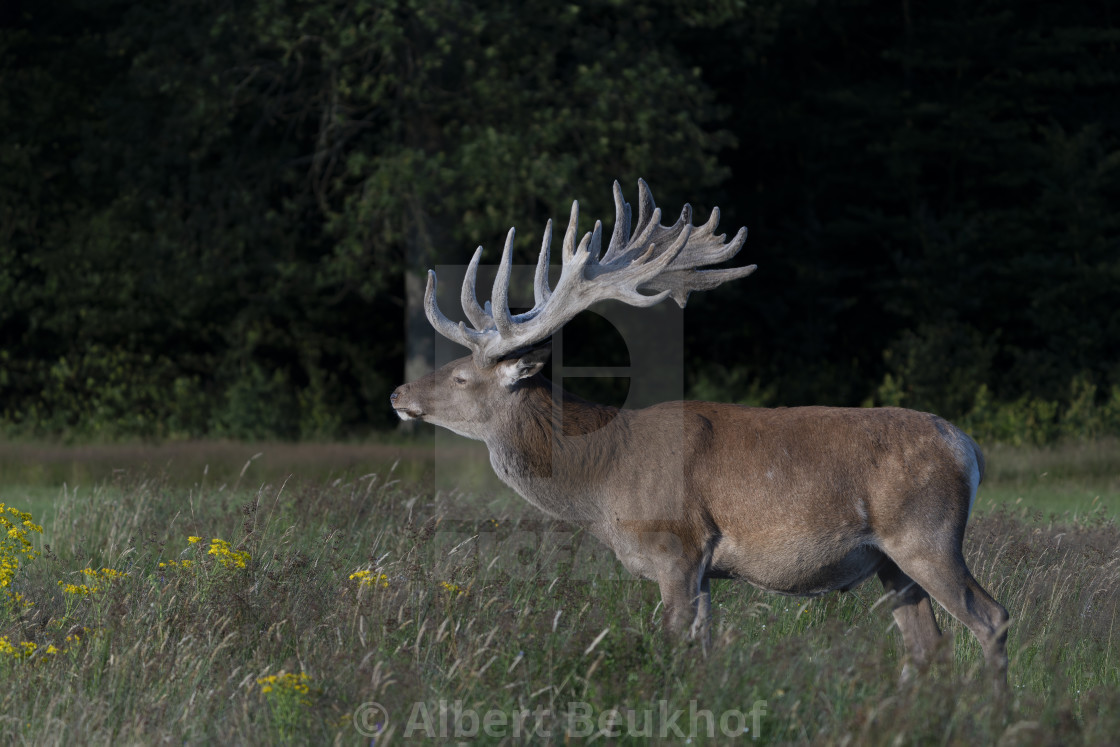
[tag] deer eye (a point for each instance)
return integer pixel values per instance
(460, 380)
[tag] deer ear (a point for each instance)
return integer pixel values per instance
(514, 370)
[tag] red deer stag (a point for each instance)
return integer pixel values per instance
(798, 501)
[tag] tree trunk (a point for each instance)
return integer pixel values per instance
(420, 338)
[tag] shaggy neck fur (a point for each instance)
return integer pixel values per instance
(556, 453)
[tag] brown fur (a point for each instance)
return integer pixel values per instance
(796, 501)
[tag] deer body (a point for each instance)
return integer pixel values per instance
(798, 501)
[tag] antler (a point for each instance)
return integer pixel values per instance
(661, 260)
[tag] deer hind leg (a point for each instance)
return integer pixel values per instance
(913, 614)
(948, 580)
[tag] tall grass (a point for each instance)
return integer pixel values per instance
(506, 619)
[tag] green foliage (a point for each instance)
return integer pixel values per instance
(1082, 415)
(1027, 420)
(258, 405)
(248, 184)
(942, 367)
(330, 595)
(207, 210)
(717, 383)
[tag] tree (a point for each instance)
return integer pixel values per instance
(266, 178)
(440, 124)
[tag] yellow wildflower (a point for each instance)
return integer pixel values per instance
(452, 588)
(14, 541)
(286, 685)
(22, 650)
(79, 590)
(370, 578)
(227, 556)
(92, 586)
(18, 599)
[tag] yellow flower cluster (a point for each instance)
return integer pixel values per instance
(452, 588)
(91, 586)
(78, 590)
(227, 556)
(286, 685)
(18, 599)
(73, 640)
(24, 649)
(105, 574)
(222, 551)
(14, 543)
(16, 651)
(370, 578)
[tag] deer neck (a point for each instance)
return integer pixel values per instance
(556, 449)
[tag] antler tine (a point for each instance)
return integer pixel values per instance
(449, 329)
(469, 298)
(679, 245)
(706, 244)
(701, 280)
(575, 263)
(712, 223)
(685, 220)
(499, 297)
(596, 246)
(541, 291)
(621, 232)
(584, 248)
(681, 281)
(719, 252)
(706, 249)
(646, 230)
(683, 227)
(656, 260)
(570, 234)
(646, 205)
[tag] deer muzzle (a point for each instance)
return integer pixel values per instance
(403, 404)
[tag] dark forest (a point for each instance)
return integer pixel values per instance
(212, 213)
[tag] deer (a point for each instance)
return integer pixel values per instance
(798, 501)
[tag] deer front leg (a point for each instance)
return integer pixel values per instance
(686, 602)
(702, 623)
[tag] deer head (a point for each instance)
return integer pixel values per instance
(641, 267)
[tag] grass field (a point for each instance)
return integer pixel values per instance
(375, 593)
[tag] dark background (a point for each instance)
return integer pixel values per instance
(208, 209)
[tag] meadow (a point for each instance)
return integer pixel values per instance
(377, 594)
